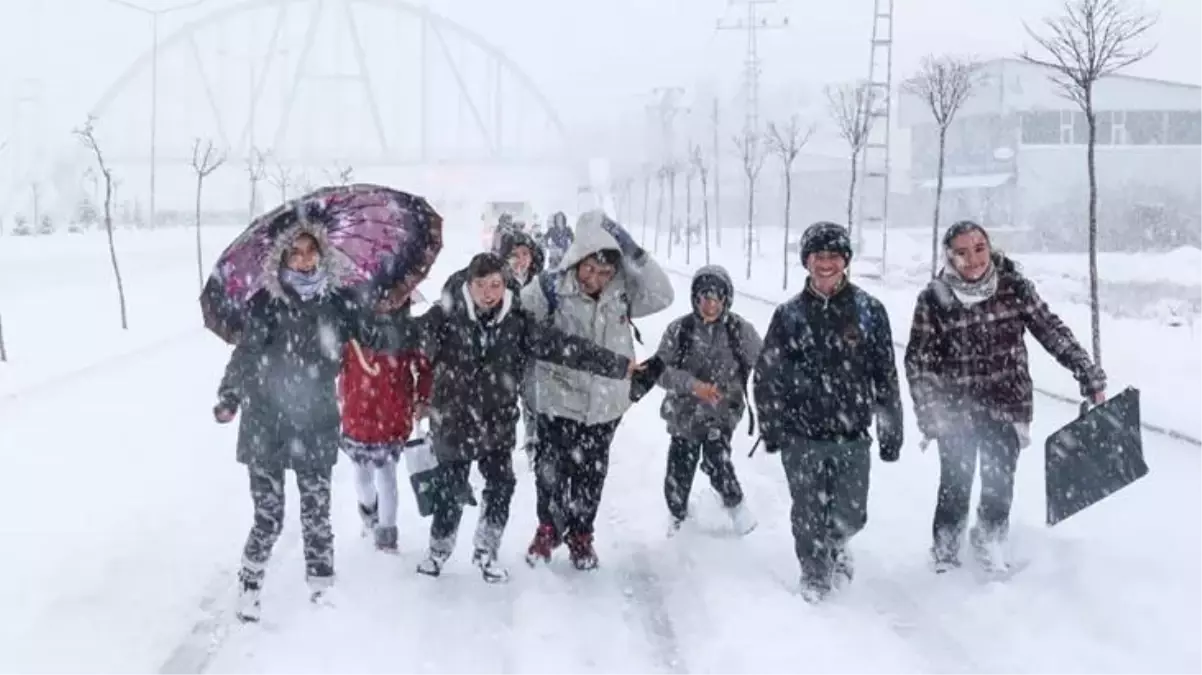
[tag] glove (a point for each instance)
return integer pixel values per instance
(626, 243)
(890, 450)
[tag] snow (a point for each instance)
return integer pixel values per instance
(124, 514)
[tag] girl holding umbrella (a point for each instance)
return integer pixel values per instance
(285, 293)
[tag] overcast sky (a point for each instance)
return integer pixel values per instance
(594, 59)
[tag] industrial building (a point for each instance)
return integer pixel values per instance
(1016, 159)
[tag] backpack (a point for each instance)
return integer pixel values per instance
(684, 337)
(547, 282)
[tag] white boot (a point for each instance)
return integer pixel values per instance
(436, 557)
(492, 571)
(247, 607)
(742, 518)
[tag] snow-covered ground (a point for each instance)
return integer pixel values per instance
(124, 514)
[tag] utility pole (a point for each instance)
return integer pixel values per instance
(717, 178)
(154, 84)
(665, 109)
(874, 194)
(752, 24)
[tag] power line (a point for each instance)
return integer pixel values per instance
(752, 25)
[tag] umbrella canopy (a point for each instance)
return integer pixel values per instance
(381, 242)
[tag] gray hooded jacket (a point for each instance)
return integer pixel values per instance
(709, 357)
(638, 289)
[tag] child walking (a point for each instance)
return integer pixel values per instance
(382, 393)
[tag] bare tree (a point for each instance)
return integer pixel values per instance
(341, 175)
(787, 144)
(751, 150)
(646, 201)
(281, 177)
(1092, 39)
(850, 105)
(672, 169)
(944, 83)
(660, 175)
(256, 170)
(204, 162)
(36, 189)
(87, 136)
(698, 162)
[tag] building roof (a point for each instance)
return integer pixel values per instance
(1120, 76)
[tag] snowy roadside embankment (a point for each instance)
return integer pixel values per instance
(59, 299)
(1164, 362)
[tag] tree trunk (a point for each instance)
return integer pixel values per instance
(785, 248)
(254, 197)
(108, 227)
(938, 202)
(851, 195)
(750, 219)
(659, 213)
(1095, 318)
(646, 204)
(200, 269)
(688, 218)
(717, 184)
(705, 212)
(671, 210)
(3, 349)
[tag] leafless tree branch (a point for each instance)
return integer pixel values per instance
(87, 136)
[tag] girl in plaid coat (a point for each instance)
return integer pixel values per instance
(967, 366)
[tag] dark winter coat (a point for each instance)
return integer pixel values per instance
(708, 356)
(282, 377)
(820, 377)
(961, 358)
(479, 365)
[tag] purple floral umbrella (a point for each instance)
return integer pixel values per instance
(382, 241)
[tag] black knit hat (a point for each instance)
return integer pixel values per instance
(825, 237)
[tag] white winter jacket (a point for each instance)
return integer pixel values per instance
(638, 290)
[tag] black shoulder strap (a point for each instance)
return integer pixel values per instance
(735, 337)
(684, 339)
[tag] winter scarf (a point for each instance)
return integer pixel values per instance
(970, 293)
(307, 285)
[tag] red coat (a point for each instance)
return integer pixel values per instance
(379, 408)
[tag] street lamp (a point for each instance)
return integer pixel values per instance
(154, 82)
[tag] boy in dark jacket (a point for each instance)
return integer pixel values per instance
(826, 370)
(707, 357)
(479, 342)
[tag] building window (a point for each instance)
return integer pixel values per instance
(1105, 122)
(1066, 127)
(1145, 127)
(1118, 129)
(1184, 128)
(1041, 128)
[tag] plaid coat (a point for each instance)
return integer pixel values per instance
(962, 358)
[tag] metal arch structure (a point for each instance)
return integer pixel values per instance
(431, 23)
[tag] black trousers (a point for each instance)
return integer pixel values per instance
(570, 465)
(996, 443)
(454, 488)
(828, 482)
(267, 493)
(714, 455)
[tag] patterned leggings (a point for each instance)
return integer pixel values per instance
(267, 492)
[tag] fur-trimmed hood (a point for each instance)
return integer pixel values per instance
(332, 261)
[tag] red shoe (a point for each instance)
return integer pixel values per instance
(545, 541)
(580, 546)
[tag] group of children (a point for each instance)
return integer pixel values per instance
(508, 339)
